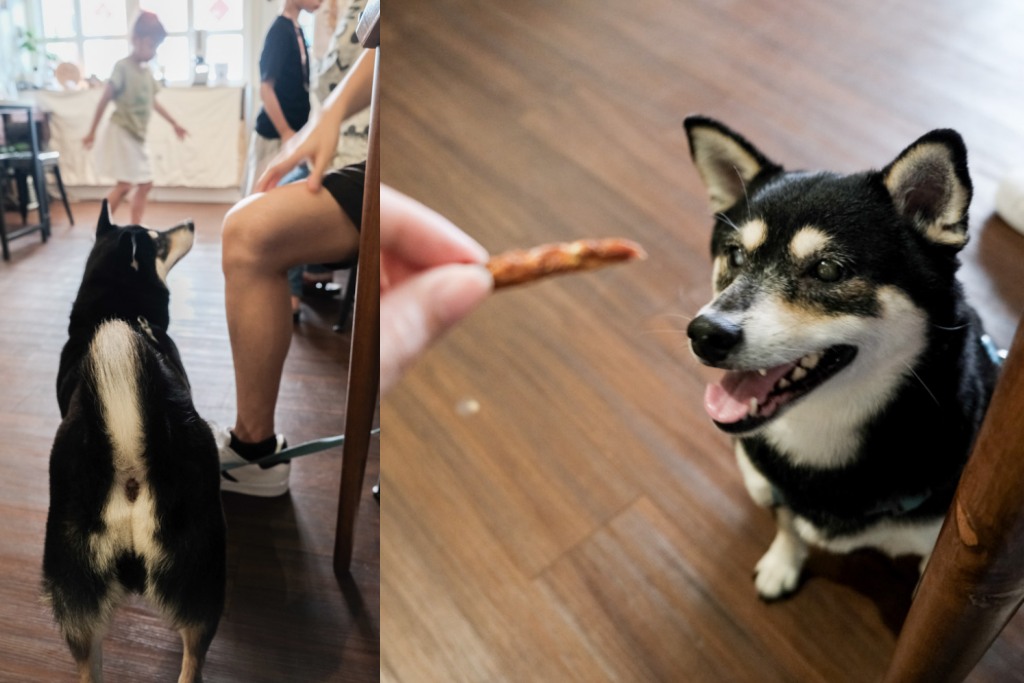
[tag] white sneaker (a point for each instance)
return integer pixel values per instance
(251, 480)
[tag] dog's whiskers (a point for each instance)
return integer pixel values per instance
(918, 378)
(680, 316)
(657, 331)
(743, 184)
(670, 319)
(950, 329)
(725, 219)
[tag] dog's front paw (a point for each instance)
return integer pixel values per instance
(777, 574)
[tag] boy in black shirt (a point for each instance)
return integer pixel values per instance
(284, 88)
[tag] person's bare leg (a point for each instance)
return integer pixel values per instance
(116, 195)
(139, 202)
(264, 235)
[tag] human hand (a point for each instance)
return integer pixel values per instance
(315, 143)
(88, 140)
(180, 132)
(432, 275)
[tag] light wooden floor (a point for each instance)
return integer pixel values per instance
(558, 505)
(287, 618)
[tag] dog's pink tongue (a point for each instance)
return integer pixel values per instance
(729, 400)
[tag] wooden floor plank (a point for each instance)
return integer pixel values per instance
(463, 610)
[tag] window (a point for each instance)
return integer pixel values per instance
(95, 34)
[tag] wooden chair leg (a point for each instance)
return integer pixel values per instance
(63, 194)
(42, 197)
(3, 220)
(974, 581)
(364, 360)
(21, 180)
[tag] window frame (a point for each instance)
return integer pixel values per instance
(132, 8)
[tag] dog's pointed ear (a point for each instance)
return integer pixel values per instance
(931, 187)
(727, 163)
(103, 225)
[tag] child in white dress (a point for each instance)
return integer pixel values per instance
(132, 87)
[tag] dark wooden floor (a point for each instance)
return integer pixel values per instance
(559, 507)
(288, 618)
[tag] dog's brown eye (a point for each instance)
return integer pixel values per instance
(736, 257)
(828, 271)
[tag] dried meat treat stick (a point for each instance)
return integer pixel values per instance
(526, 265)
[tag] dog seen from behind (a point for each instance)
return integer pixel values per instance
(855, 373)
(134, 481)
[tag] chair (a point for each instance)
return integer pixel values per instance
(25, 161)
(347, 292)
(364, 359)
(17, 132)
(23, 169)
(974, 581)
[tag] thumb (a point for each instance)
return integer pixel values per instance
(318, 167)
(419, 310)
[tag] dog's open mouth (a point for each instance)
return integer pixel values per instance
(747, 399)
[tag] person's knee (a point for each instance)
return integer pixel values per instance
(244, 240)
(233, 239)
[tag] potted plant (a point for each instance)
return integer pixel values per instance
(31, 46)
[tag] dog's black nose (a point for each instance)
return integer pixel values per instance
(713, 337)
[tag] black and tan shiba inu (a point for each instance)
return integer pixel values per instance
(856, 377)
(134, 480)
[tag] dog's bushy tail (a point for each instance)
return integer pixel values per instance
(114, 371)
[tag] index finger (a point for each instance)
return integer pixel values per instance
(271, 175)
(421, 236)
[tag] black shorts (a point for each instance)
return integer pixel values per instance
(346, 186)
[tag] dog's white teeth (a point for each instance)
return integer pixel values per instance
(762, 372)
(798, 374)
(753, 406)
(810, 361)
(782, 383)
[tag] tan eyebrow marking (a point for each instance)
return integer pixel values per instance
(806, 242)
(753, 233)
